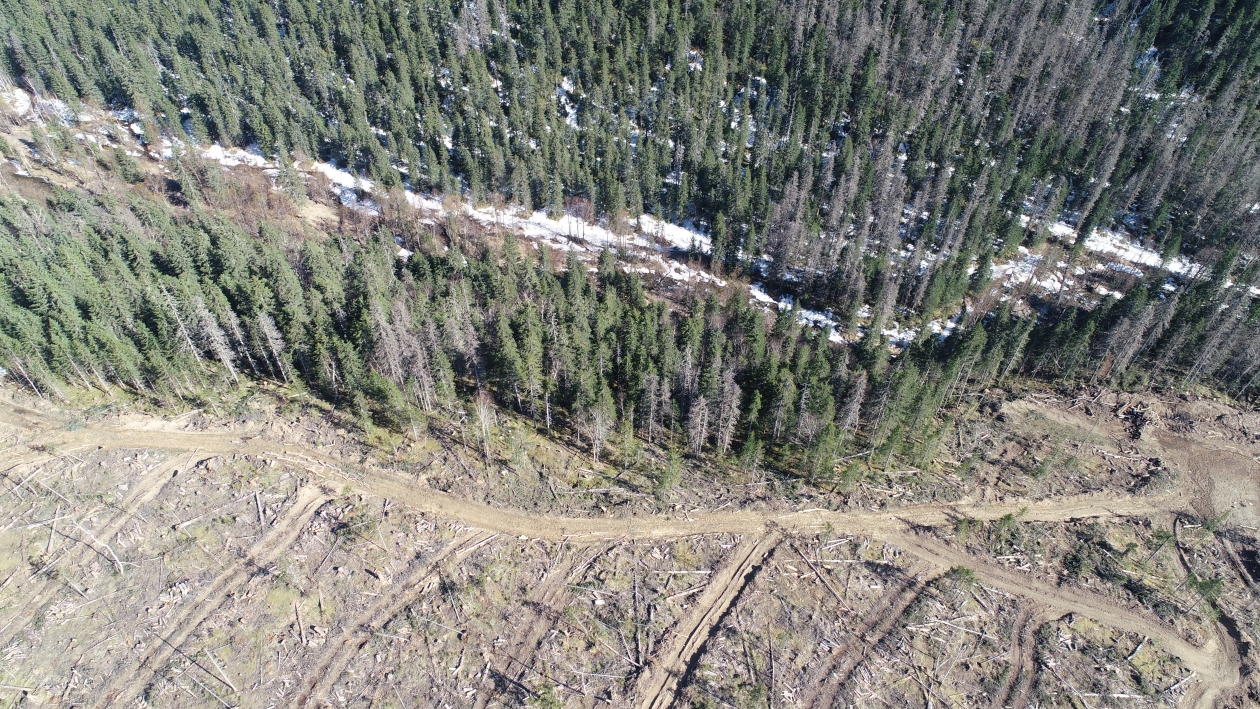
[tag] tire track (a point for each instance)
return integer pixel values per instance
(129, 683)
(144, 491)
(1217, 663)
(1014, 691)
(529, 632)
(658, 685)
(355, 635)
(844, 659)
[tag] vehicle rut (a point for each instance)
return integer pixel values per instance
(524, 642)
(881, 620)
(1216, 665)
(659, 683)
(355, 635)
(130, 682)
(1014, 691)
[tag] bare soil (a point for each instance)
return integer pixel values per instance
(269, 560)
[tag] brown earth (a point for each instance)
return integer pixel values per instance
(1214, 452)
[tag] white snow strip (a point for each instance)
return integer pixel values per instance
(341, 177)
(680, 236)
(231, 157)
(19, 101)
(1124, 248)
(650, 242)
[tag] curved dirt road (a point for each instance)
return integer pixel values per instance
(1216, 664)
(594, 529)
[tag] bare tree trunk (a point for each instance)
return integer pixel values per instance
(275, 342)
(183, 331)
(215, 338)
(485, 420)
(698, 424)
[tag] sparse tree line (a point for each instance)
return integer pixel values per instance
(125, 293)
(875, 152)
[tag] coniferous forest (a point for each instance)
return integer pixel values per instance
(873, 160)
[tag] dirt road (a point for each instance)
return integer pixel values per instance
(579, 529)
(1216, 664)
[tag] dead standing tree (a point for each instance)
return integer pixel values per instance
(484, 407)
(595, 424)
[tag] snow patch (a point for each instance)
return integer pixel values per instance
(680, 236)
(899, 336)
(341, 177)
(420, 201)
(18, 100)
(1124, 248)
(1062, 230)
(812, 318)
(1018, 270)
(944, 328)
(231, 157)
